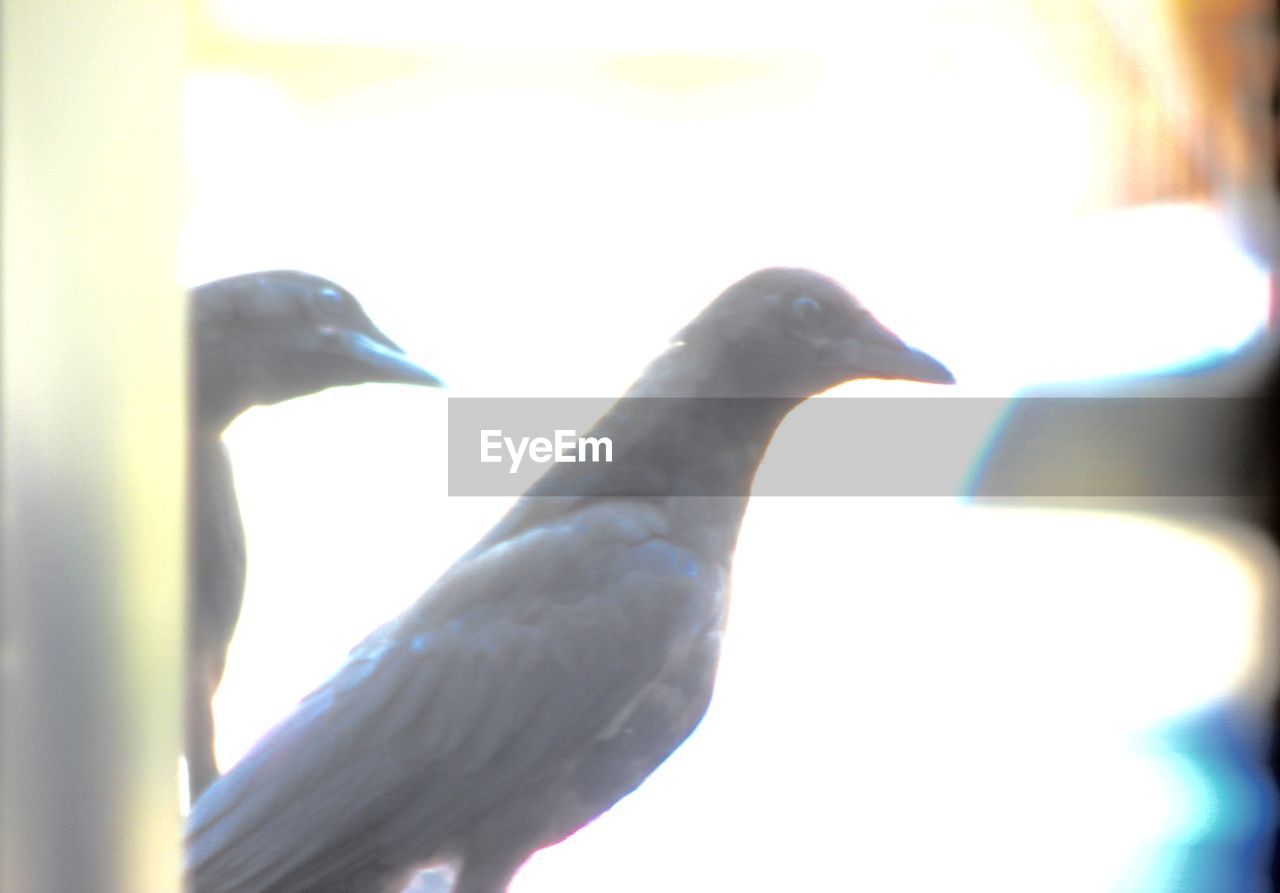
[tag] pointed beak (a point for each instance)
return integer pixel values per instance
(897, 360)
(875, 352)
(386, 362)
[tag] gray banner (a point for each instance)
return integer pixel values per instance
(1051, 449)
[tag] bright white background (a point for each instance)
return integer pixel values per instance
(914, 693)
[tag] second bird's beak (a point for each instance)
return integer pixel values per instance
(386, 362)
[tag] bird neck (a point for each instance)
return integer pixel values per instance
(676, 438)
(689, 446)
(215, 396)
(697, 456)
(679, 431)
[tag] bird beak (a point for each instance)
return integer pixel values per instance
(386, 362)
(878, 353)
(903, 362)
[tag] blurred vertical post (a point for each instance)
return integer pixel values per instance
(92, 416)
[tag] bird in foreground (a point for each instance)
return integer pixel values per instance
(568, 653)
(257, 339)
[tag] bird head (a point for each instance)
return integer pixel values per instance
(261, 338)
(784, 332)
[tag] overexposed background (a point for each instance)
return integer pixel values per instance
(915, 694)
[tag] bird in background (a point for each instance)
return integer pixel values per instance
(568, 653)
(256, 339)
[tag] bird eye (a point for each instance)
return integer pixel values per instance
(807, 309)
(331, 295)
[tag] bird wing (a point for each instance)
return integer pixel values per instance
(520, 654)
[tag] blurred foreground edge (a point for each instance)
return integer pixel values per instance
(93, 399)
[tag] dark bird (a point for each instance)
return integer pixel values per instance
(256, 339)
(568, 653)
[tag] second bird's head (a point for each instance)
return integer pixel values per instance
(789, 332)
(261, 338)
